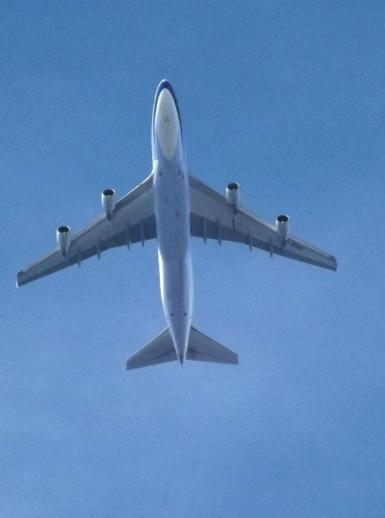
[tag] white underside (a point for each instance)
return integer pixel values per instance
(166, 124)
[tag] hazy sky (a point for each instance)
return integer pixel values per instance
(288, 99)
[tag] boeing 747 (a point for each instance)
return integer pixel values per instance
(172, 206)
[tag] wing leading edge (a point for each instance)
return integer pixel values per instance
(212, 217)
(132, 221)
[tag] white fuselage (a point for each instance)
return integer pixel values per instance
(172, 213)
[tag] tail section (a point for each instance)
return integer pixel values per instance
(204, 349)
(200, 348)
(159, 350)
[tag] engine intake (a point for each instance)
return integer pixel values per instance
(63, 238)
(282, 227)
(108, 201)
(232, 194)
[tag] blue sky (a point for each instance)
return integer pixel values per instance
(288, 99)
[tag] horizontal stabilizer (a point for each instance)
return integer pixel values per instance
(200, 348)
(159, 350)
(204, 349)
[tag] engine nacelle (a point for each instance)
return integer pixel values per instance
(108, 201)
(232, 194)
(63, 238)
(282, 227)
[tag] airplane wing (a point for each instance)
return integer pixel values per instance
(132, 221)
(213, 217)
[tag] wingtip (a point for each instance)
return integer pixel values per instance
(20, 279)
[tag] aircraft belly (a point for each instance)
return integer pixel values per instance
(175, 269)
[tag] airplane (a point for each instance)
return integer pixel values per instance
(172, 206)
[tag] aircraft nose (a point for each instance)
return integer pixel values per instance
(165, 101)
(166, 119)
(165, 85)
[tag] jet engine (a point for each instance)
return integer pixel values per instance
(232, 194)
(108, 201)
(63, 238)
(282, 227)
